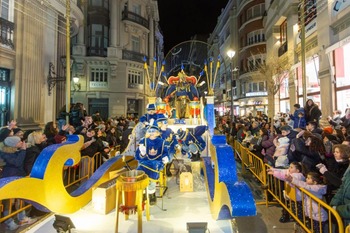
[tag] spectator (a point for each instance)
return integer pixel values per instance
(340, 201)
(313, 212)
(125, 136)
(280, 154)
(295, 115)
(299, 121)
(51, 131)
(312, 127)
(13, 153)
(97, 117)
(36, 143)
(77, 114)
(335, 120)
(334, 169)
(295, 171)
(112, 137)
(312, 112)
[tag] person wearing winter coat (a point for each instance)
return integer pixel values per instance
(13, 154)
(334, 169)
(299, 121)
(312, 111)
(313, 212)
(341, 200)
(295, 171)
(295, 115)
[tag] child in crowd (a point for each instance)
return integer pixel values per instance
(316, 215)
(282, 145)
(299, 122)
(295, 171)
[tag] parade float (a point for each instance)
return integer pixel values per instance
(175, 95)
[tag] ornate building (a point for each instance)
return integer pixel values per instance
(109, 52)
(109, 41)
(240, 28)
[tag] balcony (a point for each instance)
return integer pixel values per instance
(133, 17)
(133, 56)
(6, 35)
(283, 49)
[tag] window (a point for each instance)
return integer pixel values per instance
(5, 9)
(99, 78)
(255, 37)
(136, 9)
(99, 3)
(135, 41)
(135, 79)
(283, 32)
(255, 62)
(255, 11)
(256, 87)
(98, 39)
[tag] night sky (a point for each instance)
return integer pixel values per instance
(182, 19)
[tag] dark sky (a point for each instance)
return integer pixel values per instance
(182, 19)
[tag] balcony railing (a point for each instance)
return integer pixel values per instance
(283, 49)
(6, 32)
(133, 56)
(131, 16)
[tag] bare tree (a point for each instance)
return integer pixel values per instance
(274, 72)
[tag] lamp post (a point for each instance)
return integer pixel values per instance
(231, 54)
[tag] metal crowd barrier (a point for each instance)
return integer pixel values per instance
(276, 188)
(72, 176)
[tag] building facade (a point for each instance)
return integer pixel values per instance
(309, 38)
(110, 42)
(240, 28)
(32, 37)
(109, 52)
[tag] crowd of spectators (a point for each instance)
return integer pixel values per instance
(19, 148)
(299, 137)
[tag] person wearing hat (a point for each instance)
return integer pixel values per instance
(152, 155)
(151, 114)
(191, 141)
(13, 154)
(170, 140)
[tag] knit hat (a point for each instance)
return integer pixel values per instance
(283, 140)
(12, 141)
(328, 130)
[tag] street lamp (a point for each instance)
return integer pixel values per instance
(231, 54)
